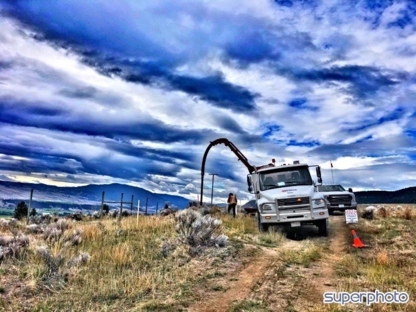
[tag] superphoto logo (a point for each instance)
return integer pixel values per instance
(366, 297)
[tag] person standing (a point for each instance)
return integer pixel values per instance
(232, 203)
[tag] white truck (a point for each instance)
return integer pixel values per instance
(338, 198)
(285, 195)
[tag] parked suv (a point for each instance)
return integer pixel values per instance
(338, 198)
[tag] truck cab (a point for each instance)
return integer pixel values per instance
(286, 195)
(338, 198)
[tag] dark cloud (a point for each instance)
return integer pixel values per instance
(79, 93)
(85, 28)
(302, 103)
(98, 125)
(42, 163)
(252, 47)
(363, 80)
(134, 170)
(292, 3)
(228, 124)
(38, 159)
(5, 65)
(186, 158)
(39, 111)
(380, 147)
(224, 170)
(367, 138)
(105, 98)
(307, 144)
(27, 115)
(213, 89)
(397, 114)
(286, 3)
(70, 177)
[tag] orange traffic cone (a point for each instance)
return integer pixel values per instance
(357, 243)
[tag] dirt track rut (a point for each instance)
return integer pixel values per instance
(267, 279)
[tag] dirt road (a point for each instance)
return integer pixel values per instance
(269, 280)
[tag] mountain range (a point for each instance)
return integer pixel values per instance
(87, 197)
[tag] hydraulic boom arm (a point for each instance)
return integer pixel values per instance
(234, 149)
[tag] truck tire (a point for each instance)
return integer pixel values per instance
(262, 227)
(323, 227)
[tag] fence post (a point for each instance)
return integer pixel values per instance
(138, 211)
(30, 206)
(157, 207)
(102, 204)
(121, 206)
(147, 200)
(131, 203)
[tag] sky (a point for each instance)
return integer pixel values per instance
(133, 92)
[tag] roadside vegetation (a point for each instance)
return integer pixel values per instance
(195, 263)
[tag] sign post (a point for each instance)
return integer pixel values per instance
(351, 216)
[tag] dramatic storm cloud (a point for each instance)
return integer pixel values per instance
(133, 91)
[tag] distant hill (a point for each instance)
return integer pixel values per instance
(84, 197)
(403, 196)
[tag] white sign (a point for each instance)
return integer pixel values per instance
(351, 216)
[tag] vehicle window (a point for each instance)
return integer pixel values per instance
(278, 178)
(330, 188)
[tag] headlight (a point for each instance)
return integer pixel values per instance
(318, 202)
(266, 207)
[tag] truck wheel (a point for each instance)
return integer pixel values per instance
(323, 227)
(262, 227)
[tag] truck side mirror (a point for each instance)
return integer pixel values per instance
(318, 173)
(249, 184)
(350, 190)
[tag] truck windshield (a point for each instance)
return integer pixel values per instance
(330, 188)
(282, 177)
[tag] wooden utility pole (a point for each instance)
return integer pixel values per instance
(30, 206)
(138, 211)
(147, 200)
(121, 206)
(102, 204)
(212, 187)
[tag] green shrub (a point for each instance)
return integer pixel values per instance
(20, 211)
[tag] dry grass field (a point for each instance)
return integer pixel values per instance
(139, 265)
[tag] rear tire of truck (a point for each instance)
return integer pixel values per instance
(262, 227)
(323, 227)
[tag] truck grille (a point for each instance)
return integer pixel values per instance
(340, 199)
(295, 202)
